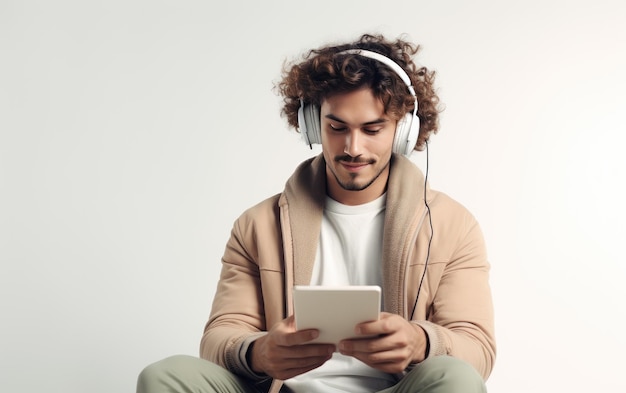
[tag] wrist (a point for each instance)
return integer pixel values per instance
(422, 345)
(252, 357)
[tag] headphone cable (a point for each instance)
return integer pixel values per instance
(430, 221)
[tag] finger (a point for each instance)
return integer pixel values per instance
(304, 351)
(287, 356)
(299, 337)
(291, 361)
(382, 343)
(393, 361)
(304, 356)
(388, 323)
(284, 333)
(363, 345)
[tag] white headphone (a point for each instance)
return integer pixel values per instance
(407, 129)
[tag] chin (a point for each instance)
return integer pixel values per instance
(352, 185)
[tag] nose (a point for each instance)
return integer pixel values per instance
(353, 144)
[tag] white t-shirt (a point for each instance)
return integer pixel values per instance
(349, 253)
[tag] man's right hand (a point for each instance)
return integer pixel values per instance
(284, 353)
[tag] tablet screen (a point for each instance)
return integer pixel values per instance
(335, 311)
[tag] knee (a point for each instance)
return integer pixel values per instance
(451, 375)
(155, 376)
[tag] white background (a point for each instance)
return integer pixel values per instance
(133, 133)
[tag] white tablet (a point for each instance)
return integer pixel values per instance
(335, 311)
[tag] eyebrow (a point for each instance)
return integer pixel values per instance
(369, 123)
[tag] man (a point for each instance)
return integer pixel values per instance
(360, 213)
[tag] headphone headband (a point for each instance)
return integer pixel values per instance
(386, 61)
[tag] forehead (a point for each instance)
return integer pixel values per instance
(360, 102)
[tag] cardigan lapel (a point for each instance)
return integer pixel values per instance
(305, 193)
(403, 213)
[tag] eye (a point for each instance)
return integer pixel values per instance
(336, 127)
(372, 131)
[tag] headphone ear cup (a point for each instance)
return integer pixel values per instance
(407, 131)
(309, 124)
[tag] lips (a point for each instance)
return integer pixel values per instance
(353, 166)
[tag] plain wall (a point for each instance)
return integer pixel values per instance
(133, 133)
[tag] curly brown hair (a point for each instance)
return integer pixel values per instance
(322, 73)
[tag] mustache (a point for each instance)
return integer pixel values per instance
(354, 160)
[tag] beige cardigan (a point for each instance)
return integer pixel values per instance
(273, 245)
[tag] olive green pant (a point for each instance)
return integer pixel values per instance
(187, 374)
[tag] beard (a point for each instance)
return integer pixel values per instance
(351, 184)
